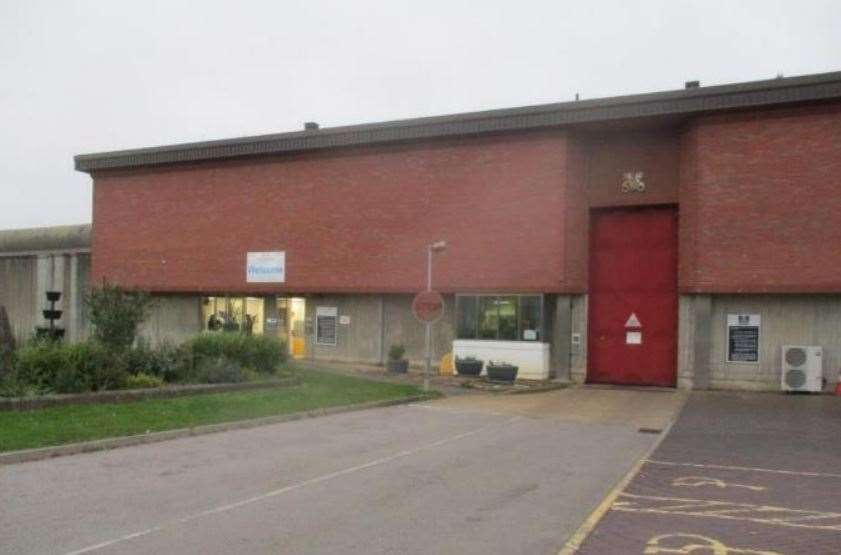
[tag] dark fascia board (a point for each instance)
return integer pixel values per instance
(816, 87)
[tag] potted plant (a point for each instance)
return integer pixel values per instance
(396, 363)
(501, 371)
(469, 366)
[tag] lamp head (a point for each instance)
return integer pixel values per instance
(438, 246)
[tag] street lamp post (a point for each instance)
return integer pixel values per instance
(438, 246)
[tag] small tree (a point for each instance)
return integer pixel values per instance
(7, 342)
(116, 313)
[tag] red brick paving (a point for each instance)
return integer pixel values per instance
(708, 507)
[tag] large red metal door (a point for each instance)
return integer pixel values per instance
(632, 306)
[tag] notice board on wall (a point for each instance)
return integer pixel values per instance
(743, 337)
(325, 325)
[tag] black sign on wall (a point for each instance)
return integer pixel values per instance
(743, 338)
(325, 325)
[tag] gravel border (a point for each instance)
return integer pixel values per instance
(41, 453)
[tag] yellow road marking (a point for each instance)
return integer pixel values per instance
(574, 542)
(692, 543)
(746, 468)
(762, 514)
(698, 481)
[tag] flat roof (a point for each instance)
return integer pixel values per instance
(62, 238)
(783, 90)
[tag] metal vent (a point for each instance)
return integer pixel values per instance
(795, 379)
(795, 356)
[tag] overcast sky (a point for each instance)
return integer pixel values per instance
(79, 77)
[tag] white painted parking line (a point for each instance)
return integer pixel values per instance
(745, 468)
(292, 487)
(450, 410)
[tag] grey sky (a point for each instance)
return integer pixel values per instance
(104, 75)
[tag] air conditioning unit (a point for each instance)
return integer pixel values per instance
(802, 368)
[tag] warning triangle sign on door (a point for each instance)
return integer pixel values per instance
(633, 321)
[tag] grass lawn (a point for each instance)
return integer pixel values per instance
(69, 424)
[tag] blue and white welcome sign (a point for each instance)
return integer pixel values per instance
(265, 267)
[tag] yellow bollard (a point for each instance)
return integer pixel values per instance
(446, 367)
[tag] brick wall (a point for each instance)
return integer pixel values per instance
(353, 220)
(761, 202)
(758, 193)
(654, 152)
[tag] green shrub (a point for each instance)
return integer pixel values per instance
(219, 370)
(12, 386)
(143, 381)
(259, 352)
(116, 314)
(69, 368)
(39, 362)
(93, 362)
(396, 352)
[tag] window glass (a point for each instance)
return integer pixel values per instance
(530, 321)
(467, 316)
(254, 315)
(507, 318)
(208, 308)
(503, 317)
(488, 318)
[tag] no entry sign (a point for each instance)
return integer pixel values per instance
(428, 306)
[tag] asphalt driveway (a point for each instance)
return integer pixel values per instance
(474, 474)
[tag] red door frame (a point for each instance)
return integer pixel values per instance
(633, 269)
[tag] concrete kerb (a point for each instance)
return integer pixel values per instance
(30, 455)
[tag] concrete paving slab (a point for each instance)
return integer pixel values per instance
(634, 408)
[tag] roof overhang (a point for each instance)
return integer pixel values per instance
(780, 91)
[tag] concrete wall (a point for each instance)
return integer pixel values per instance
(24, 281)
(578, 353)
(376, 323)
(173, 319)
(358, 341)
(786, 320)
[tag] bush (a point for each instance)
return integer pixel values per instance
(219, 370)
(39, 362)
(69, 368)
(258, 352)
(115, 314)
(90, 366)
(396, 352)
(44, 366)
(12, 386)
(143, 381)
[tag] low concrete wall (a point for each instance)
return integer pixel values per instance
(532, 358)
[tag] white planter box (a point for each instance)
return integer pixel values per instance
(531, 357)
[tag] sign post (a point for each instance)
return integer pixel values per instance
(428, 306)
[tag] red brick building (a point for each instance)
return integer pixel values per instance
(674, 238)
